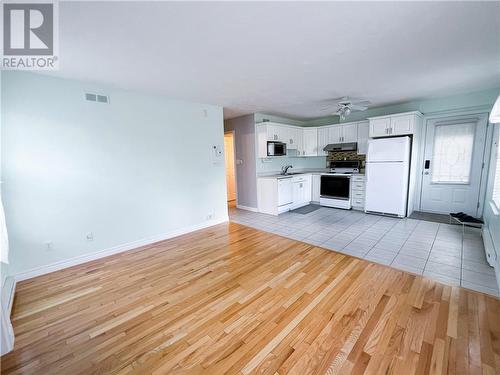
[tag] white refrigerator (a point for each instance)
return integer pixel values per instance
(387, 174)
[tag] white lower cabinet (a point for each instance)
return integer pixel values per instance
(276, 195)
(358, 184)
(301, 191)
(315, 187)
(285, 191)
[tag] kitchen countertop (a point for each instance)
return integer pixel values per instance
(300, 172)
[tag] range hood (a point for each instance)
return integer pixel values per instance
(341, 147)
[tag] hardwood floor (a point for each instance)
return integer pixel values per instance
(231, 299)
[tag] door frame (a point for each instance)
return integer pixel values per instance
(234, 164)
(481, 115)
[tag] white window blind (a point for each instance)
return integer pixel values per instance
(496, 183)
(452, 154)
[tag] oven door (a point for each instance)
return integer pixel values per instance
(338, 187)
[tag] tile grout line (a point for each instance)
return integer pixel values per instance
(380, 239)
(428, 256)
(404, 243)
(343, 230)
(360, 233)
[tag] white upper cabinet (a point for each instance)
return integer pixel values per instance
(394, 125)
(402, 124)
(345, 133)
(310, 142)
(363, 131)
(277, 132)
(323, 134)
(334, 134)
(379, 127)
(299, 140)
(292, 139)
(349, 133)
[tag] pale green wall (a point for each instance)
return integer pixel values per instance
(137, 168)
(260, 117)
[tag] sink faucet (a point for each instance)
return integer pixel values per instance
(284, 169)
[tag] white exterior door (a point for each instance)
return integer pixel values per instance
(452, 171)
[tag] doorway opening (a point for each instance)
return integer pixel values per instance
(229, 155)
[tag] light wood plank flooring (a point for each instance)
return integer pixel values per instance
(232, 299)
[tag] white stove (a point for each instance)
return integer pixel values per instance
(335, 190)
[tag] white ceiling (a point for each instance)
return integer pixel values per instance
(283, 58)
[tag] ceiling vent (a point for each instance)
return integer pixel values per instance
(91, 97)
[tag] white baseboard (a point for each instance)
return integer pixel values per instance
(38, 271)
(491, 254)
(253, 209)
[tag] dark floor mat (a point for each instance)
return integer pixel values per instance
(306, 209)
(428, 216)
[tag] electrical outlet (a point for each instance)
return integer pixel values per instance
(49, 245)
(90, 236)
(210, 216)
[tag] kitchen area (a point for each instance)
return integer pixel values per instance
(367, 165)
(352, 188)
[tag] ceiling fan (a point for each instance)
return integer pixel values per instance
(346, 105)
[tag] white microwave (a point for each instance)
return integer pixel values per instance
(276, 149)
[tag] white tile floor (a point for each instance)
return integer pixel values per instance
(422, 247)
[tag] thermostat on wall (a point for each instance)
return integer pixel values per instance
(217, 154)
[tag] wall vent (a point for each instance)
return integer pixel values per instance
(91, 97)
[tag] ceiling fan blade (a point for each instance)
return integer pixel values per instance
(327, 108)
(356, 107)
(363, 103)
